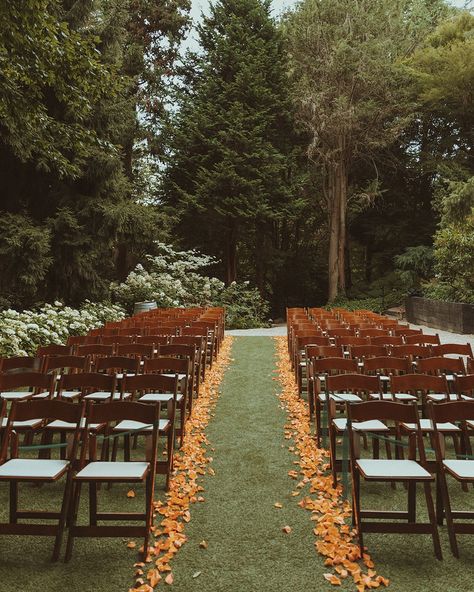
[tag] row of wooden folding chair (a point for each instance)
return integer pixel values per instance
(76, 472)
(416, 469)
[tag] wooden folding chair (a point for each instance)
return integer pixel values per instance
(189, 352)
(98, 472)
(390, 471)
(40, 470)
(180, 367)
(460, 468)
(420, 339)
(53, 350)
(318, 370)
(26, 385)
(20, 364)
(337, 389)
(154, 389)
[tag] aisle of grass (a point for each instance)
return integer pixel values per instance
(247, 550)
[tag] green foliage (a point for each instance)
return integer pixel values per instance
(175, 278)
(414, 265)
(376, 304)
(24, 258)
(47, 68)
(229, 159)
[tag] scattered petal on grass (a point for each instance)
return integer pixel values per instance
(330, 513)
(286, 529)
(196, 574)
(191, 464)
(203, 544)
(131, 493)
(278, 505)
(131, 544)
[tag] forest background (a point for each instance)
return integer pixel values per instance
(322, 153)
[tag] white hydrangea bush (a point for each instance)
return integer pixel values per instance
(178, 278)
(21, 333)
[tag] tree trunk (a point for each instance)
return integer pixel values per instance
(259, 256)
(337, 195)
(333, 278)
(231, 253)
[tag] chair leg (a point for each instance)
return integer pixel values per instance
(412, 501)
(92, 503)
(333, 454)
(13, 502)
(432, 517)
(62, 517)
(448, 513)
(72, 518)
(356, 508)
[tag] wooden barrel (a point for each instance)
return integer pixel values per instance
(143, 306)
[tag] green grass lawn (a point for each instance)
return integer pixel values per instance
(246, 548)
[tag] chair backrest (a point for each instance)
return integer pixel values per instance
(387, 340)
(414, 351)
(330, 365)
(413, 383)
(153, 339)
(421, 339)
(324, 351)
(117, 339)
(458, 349)
(372, 332)
(44, 409)
(20, 363)
(32, 380)
(117, 411)
(177, 350)
(95, 350)
(76, 340)
(115, 364)
(368, 351)
(302, 342)
(136, 349)
(65, 364)
(383, 411)
(464, 385)
(150, 382)
(387, 365)
(162, 364)
(343, 332)
(453, 411)
(350, 341)
(54, 350)
(354, 383)
(441, 365)
(88, 382)
(405, 331)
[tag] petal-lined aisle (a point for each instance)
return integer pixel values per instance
(191, 463)
(242, 524)
(330, 512)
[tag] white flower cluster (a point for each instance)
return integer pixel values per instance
(21, 333)
(177, 278)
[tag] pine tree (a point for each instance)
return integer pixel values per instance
(227, 175)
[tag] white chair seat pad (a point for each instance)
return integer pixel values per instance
(441, 397)
(462, 468)
(129, 425)
(29, 423)
(374, 425)
(159, 398)
(425, 425)
(66, 425)
(16, 395)
(114, 470)
(180, 376)
(70, 394)
(26, 468)
(390, 396)
(104, 395)
(44, 395)
(397, 469)
(343, 397)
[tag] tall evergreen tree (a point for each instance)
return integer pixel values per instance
(228, 166)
